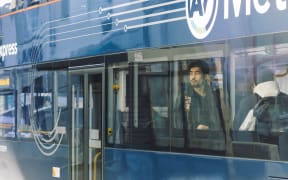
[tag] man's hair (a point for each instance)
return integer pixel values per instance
(264, 75)
(201, 64)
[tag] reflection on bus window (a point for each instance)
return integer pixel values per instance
(7, 115)
(200, 98)
(43, 104)
(152, 103)
(161, 105)
(140, 105)
(7, 6)
(261, 106)
(198, 105)
(119, 100)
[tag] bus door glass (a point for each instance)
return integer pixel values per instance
(7, 114)
(7, 106)
(86, 112)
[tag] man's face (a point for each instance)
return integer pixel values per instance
(196, 76)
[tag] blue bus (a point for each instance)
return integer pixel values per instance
(109, 89)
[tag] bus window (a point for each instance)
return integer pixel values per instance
(118, 100)
(43, 103)
(151, 103)
(6, 6)
(138, 110)
(7, 105)
(198, 106)
(260, 98)
(149, 111)
(7, 115)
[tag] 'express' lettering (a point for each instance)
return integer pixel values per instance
(8, 49)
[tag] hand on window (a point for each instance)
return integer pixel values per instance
(187, 102)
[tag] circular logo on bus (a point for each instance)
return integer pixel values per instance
(201, 15)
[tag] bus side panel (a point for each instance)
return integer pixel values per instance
(128, 164)
(20, 160)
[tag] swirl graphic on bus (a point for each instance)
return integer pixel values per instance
(201, 16)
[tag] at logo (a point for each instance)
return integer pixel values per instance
(201, 15)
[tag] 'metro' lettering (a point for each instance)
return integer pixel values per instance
(260, 6)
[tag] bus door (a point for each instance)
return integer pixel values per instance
(87, 94)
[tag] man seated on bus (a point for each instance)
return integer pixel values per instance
(202, 109)
(270, 113)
